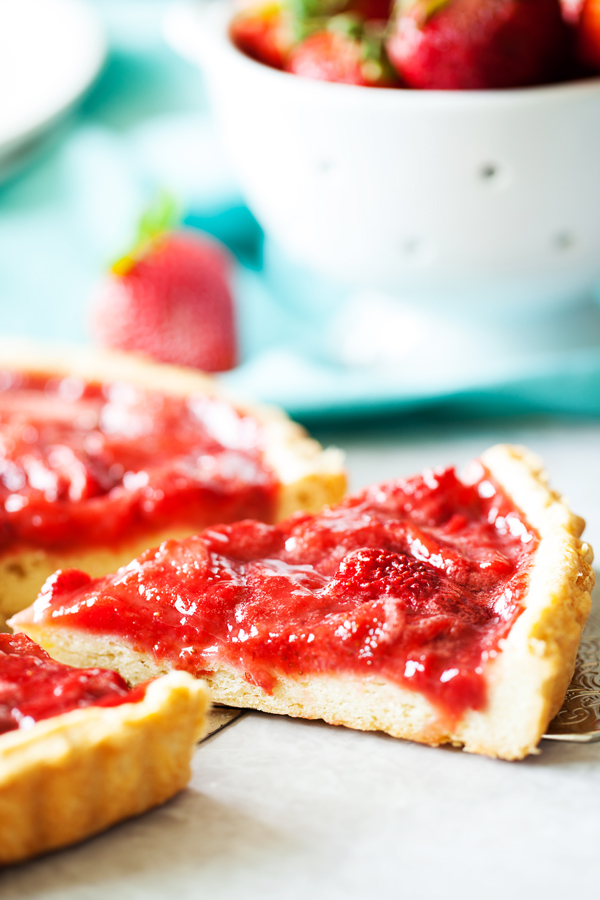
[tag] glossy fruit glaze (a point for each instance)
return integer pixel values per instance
(33, 686)
(88, 464)
(415, 581)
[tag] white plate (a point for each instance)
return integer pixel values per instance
(50, 52)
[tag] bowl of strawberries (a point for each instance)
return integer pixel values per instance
(445, 150)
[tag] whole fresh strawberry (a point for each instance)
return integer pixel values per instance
(265, 32)
(477, 44)
(170, 299)
(589, 35)
(348, 51)
(270, 31)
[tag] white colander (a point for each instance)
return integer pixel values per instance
(487, 197)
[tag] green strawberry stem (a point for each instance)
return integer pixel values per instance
(162, 216)
(371, 37)
(309, 16)
(316, 9)
(347, 24)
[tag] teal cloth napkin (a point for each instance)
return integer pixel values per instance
(72, 207)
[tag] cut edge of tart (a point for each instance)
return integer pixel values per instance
(309, 476)
(525, 681)
(74, 775)
(528, 680)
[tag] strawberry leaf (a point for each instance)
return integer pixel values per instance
(347, 24)
(162, 216)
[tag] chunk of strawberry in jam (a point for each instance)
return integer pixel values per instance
(65, 582)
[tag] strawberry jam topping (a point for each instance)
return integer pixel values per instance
(88, 464)
(33, 686)
(415, 581)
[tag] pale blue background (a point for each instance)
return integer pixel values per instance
(145, 124)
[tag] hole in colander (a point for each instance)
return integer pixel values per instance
(325, 166)
(416, 248)
(564, 240)
(489, 171)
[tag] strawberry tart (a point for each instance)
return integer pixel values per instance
(433, 608)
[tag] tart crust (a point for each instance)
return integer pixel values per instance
(309, 477)
(526, 682)
(76, 774)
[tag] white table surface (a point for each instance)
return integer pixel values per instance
(292, 809)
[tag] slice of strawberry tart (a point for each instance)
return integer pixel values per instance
(80, 750)
(431, 608)
(104, 454)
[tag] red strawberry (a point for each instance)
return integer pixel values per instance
(265, 32)
(372, 9)
(171, 299)
(346, 52)
(270, 31)
(589, 34)
(477, 44)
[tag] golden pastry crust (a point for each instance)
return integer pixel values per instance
(76, 774)
(526, 682)
(309, 476)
